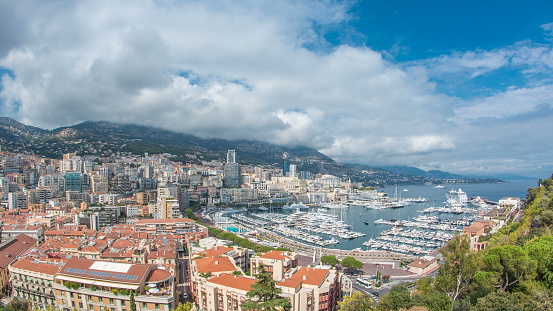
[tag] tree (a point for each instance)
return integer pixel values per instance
(434, 300)
(541, 250)
(424, 285)
(352, 263)
(510, 264)
(357, 302)
(187, 306)
(18, 305)
(498, 301)
(264, 295)
(398, 297)
(132, 302)
(329, 260)
(459, 268)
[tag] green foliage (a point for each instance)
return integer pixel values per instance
(187, 306)
(398, 297)
(434, 300)
(17, 305)
(205, 275)
(329, 260)
(498, 301)
(357, 302)
(71, 285)
(132, 302)
(424, 285)
(459, 267)
(510, 264)
(352, 263)
(264, 295)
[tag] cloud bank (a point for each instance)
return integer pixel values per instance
(261, 70)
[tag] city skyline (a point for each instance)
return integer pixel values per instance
(460, 87)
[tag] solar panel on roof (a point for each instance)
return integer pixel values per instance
(125, 276)
(75, 270)
(100, 273)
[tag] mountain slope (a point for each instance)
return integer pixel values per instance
(105, 139)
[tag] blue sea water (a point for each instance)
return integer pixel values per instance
(356, 216)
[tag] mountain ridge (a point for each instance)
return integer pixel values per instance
(102, 138)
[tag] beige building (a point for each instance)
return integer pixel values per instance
(311, 289)
(162, 226)
(424, 265)
(223, 292)
(216, 287)
(238, 254)
(84, 284)
(277, 263)
(32, 279)
(10, 249)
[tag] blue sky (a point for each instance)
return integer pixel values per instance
(460, 86)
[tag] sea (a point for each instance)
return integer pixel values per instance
(356, 216)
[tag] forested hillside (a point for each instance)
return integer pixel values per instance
(514, 272)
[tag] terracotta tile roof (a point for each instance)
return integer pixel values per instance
(123, 243)
(80, 268)
(216, 251)
(422, 263)
(310, 276)
(36, 266)
(162, 254)
(158, 275)
(71, 245)
(13, 247)
(215, 264)
(91, 249)
(277, 255)
(233, 281)
(290, 283)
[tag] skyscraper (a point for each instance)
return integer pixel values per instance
(285, 168)
(231, 156)
(231, 171)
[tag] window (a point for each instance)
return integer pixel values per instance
(144, 305)
(157, 306)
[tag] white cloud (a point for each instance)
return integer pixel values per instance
(513, 102)
(241, 69)
(529, 57)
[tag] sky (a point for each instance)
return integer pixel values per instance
(459, 86)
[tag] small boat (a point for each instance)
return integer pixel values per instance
(366, 222)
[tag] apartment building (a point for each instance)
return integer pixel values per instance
(218, 284)
(175, 225)
(311, 289)
(277, 263)
(85, 284)
(32, 279)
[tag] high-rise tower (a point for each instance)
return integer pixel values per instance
(231, 172)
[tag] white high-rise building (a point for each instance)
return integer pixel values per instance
(231, 156)
(293, 170)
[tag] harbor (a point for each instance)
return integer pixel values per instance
(427, 220)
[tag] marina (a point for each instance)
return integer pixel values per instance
(429, 218)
